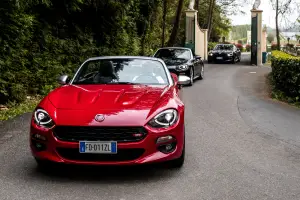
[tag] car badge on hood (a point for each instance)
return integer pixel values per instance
(99, 118)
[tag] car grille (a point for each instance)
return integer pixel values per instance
(122, 155)
(97, 133)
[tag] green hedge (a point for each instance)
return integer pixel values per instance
(285, 76)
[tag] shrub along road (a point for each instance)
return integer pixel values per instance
(240, 145)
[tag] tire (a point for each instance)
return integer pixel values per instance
(178, 163)
(202, 73)
(191, 76)
(233, 60)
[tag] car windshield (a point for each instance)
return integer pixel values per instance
(223, 47)
(122, 71)
(173, 54)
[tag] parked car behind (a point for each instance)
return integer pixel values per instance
(181, 60)
(225, 53)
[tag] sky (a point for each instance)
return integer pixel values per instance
(268, 15)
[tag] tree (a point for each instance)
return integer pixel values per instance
(176, 25)
(280, 10)
(270, 37)
(165, 7)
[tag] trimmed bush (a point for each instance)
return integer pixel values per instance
(285, 76)
(240, 46)
(273, 47)
(248, 47)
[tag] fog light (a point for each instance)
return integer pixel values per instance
(164, 139)
(38, 145)
(39, 137)
(167, 148)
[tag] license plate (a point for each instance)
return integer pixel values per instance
(98, 147)
(219, 58)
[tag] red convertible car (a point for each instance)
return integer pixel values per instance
(114, 111)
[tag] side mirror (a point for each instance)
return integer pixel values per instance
(183, 80)
(198, 57)
(63, 80)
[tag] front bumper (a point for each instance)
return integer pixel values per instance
(129, 153)
(220, 58)
(183, 72)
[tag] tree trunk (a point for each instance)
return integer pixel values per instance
(165, 6)
(210, 17)
(176, 25)
(277, 28)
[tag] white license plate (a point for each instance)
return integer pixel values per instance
(98, 147)
(219, 58)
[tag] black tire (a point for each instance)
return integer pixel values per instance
(178, 163)
(191, 75)
(233, 60)
(201, 76)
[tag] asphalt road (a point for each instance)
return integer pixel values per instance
(240, 145)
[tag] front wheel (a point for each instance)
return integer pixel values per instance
(191, 76)
(201, 73)
(233, 60)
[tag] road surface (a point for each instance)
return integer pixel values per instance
(240, 145)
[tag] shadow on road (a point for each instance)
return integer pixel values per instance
(107, 174)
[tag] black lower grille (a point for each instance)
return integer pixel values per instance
(97, 133)
(122, 155)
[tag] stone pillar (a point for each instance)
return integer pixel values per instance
(264, 41)
(258, 36)
(190, 16)
(205, 44)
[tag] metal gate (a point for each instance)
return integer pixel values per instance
(254, 40)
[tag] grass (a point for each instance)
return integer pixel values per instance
(14, 109)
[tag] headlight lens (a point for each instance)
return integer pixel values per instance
(164, 119)
(230, 54)
(182, 67)
(42, 118)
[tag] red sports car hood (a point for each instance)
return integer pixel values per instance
(121, 104)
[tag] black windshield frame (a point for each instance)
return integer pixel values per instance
(164, 75)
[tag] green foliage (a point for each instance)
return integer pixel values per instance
(285, 76)
(40, 40)
(221, 24)
(240, 31)
(43, 39)
(211, 45)
(15, 109)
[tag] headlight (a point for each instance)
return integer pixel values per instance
(210, 54)
(42, 118)
(182, 67)
(230, 54)
(164, 119)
